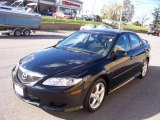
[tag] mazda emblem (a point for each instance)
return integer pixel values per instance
(24, 76)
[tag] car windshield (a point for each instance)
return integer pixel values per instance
(66, 13)
(87, 42)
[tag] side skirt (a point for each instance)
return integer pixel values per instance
(124, 83)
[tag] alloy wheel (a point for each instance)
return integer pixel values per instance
(144, 69)
(97, 95)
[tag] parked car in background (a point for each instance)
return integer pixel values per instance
(88, 27)
(96, 18)
(61, 14)
(82, 17)
(153, 31)
(47, 12)
(81, 69)
(103, 27)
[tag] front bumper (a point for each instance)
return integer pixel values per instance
(47, 98)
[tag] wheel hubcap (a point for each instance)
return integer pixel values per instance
(97, 96)
(18, 33)
(27, 33)
(144, 69)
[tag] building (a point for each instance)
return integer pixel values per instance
(58, 5)
(69, 5)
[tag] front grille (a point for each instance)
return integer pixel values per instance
(28, 79)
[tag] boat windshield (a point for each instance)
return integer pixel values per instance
(18, 3)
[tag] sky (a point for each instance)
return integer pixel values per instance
(142, 7)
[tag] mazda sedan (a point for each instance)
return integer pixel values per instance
(80, 70)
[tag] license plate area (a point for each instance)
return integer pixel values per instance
(19, 90)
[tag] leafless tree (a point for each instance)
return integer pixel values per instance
(143, 19)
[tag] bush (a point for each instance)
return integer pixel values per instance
(137, 23)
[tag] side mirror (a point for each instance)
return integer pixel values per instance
(120, 53)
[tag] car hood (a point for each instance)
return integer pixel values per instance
(51, 61)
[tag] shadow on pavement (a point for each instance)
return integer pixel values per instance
(135, 101)
(33, 37)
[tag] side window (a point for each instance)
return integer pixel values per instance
(122, 44)
(135, 41)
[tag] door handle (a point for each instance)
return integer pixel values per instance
(131, 57)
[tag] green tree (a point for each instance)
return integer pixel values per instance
(112, 11)
(128, 10)
(156, 16)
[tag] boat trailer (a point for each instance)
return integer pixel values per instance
(18, 32)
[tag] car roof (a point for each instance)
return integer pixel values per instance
(109, 31)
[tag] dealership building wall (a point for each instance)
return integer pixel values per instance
(58, 5)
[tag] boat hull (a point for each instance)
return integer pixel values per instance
(9, 19)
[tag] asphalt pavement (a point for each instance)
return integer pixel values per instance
(138, 100)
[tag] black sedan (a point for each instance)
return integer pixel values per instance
(82, 17)
(47, 12)
(80, 70)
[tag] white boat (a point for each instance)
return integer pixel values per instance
(17, 4)
(19, 17)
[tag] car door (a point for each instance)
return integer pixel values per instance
(138, 52)
(120, 67)
(59, 14)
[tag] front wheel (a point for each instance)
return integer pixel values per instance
(95, 96)
(144, 69)
(17, 32)
(55, 16)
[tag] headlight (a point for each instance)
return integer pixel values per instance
(62, 81)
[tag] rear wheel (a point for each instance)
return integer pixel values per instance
(144, 69)
(26, 32)
(95, 96)
(17, 32)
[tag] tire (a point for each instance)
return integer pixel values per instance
(144, 69)
(91, 103)
(26, 32)
(17, 32)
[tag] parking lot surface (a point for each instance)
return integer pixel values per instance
(140, 99)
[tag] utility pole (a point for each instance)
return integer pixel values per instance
(39, 6)
(93, 7)
(121, 15)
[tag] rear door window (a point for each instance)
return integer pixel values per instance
(135, 41)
